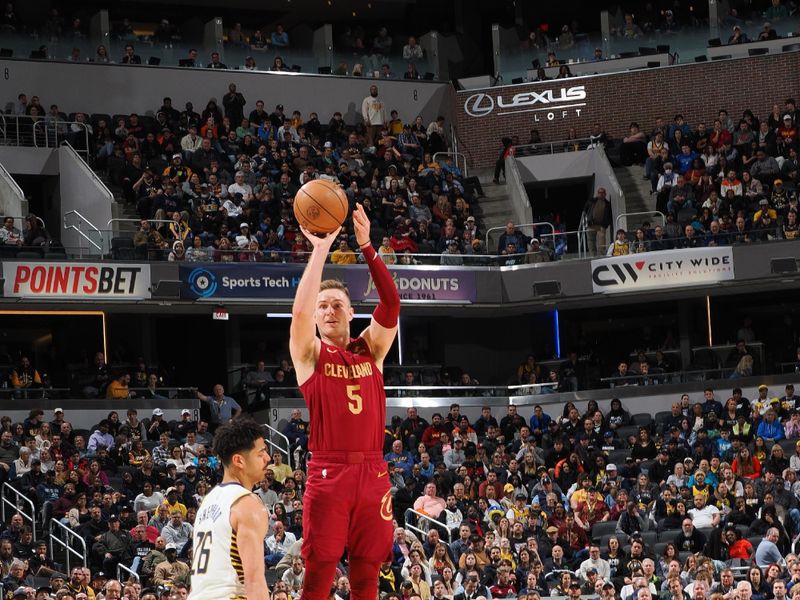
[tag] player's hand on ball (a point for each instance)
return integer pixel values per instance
(321, 241)
(361, 224)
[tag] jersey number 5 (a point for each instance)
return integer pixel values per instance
(354, 403)
(203, 553)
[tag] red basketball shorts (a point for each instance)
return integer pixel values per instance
(347, 504)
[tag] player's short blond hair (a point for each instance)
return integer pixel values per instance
(334, 284)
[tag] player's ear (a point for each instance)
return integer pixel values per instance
(350, 313)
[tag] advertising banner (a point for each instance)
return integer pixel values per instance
(72, 280)
(666, 268)
(279, 282)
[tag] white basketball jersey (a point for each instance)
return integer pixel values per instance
(217, 572)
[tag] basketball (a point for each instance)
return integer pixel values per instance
(320, 206)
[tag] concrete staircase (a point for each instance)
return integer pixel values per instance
(637, 193)
(494, 208)
(121, 210)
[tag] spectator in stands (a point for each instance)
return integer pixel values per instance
(215, 62)
(598, 217)
(223, 408)
(130, 57)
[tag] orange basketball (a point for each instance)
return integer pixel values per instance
(321, 206)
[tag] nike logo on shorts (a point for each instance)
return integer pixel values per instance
(383, 474)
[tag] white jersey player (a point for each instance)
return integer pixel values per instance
(231, 523)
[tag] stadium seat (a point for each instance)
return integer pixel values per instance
(788, 446)
(122, 248)
(154, 61)
(642, 419)
(663, 48)
(668, 535)
(646, 51)
(6, 52)
(618, 456)
(627, 430)
(650, 538)
(700, 58)
(715, 42)
(428, 76)
(29, 254)
(660, 417)
(603, 528)
(324, 70)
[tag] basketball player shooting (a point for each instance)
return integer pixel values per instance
(231, 523)
(347, 502)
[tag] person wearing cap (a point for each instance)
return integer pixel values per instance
(172, 570)
(157, 425)
(114, 546)
(177, 172)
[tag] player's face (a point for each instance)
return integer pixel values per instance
(334, 313)
(256, 461)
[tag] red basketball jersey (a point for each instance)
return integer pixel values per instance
(346, 400)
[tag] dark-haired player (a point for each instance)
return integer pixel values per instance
(231, 523)
(347, 502)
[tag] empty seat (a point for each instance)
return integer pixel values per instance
(659, 547)
(668, 535)
(642, 419)
(701, 58)
(661, 416)
(663, 48)
(645, 51)
(618, 457)
(715, 42)
(627, 430)
(603, 528)
(29, 254)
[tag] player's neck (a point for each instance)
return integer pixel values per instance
(230, 477)
(340, 341)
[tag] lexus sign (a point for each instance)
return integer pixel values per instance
(552, 103)
(661, 270)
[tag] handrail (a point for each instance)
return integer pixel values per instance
(60, 129)
(35, 141)
(126, 220)
(272, 431)
(532, 225)
(70, 535)
(12, 182)
(639, 214)
(80, 232)
(130, 572)
(19, 498)
(456, 154)
(632, 379)
(90, 172)
(438, 524)
(555, 146)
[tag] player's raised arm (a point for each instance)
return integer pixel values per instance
(383, 326)
(303, 341)
(249, 519)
